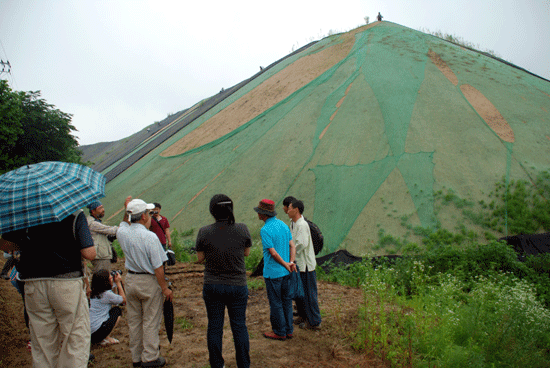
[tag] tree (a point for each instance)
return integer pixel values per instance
(11, 114)
(33, 131)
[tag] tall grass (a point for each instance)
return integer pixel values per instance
(474, 306)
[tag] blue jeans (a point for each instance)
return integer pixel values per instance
(280, 305)
(308, 307)
(216, 298)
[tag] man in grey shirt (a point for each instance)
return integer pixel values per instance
(145, 283)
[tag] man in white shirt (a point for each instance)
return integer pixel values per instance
(309, 316)
(145, 283)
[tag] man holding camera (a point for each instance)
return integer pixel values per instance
(102, 236)
(161, 226)
(145, 283)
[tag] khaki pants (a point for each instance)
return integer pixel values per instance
(144, 300)
(99, 264)
(59, 322)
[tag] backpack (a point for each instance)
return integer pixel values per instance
(316, 237)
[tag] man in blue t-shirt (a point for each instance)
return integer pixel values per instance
(279, 255)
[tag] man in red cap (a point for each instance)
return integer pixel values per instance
(279, 255)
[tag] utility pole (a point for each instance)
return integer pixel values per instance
(6, 67)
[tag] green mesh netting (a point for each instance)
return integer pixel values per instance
(365, 145)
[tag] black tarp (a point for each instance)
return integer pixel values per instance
(529, 244)
(339, 258)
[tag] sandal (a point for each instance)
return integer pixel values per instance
(109, 341)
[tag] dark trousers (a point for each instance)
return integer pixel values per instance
(235, 298)
(106, 327)
(308, 307)
(280, 305)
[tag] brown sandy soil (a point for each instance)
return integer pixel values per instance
(488, 112)
(326, 348)
(266, 95)
(443, 67)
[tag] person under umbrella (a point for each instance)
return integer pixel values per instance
(36, 206)
(223, 245)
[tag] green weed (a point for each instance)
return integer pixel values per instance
(453, 306)
(256, 284)
(256, 254)
(184, 323)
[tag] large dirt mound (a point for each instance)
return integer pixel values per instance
(364, 127)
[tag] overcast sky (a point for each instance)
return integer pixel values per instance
(119, 66)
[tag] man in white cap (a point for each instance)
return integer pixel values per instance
(145, 283)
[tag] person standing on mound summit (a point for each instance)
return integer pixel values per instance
(279, 255)
(379, 17)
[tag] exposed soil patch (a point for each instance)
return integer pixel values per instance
(266, 95)
(326, 348)
(488, 112)
(443, 67)
(334, 114)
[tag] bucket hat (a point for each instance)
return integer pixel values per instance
(266, 207)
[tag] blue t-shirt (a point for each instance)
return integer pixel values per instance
(275, 234)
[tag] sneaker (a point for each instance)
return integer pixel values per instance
(289, 336)
(298, 320)
(273, 336)
(136, 364)
(159, 362)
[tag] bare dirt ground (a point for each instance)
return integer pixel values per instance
(329, 347)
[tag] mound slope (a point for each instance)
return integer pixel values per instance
(364, 127)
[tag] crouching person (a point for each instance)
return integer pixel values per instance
(104, 310)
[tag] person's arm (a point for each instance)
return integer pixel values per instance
(8, 246)
(279, 259)
(86, 272)
(168, 237)
(88, 253)
(126, 217)
(246, 251)
(301, 240)
(201, 257)
(292, 256)
(119, 288)
(100, 228)
(88, 288)
(159, 273)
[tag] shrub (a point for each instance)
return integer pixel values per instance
(253, 259)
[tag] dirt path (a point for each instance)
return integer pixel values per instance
(326, 348)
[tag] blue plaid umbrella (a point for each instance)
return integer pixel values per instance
(46, 192)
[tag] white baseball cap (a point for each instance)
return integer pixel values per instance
(137, 206)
